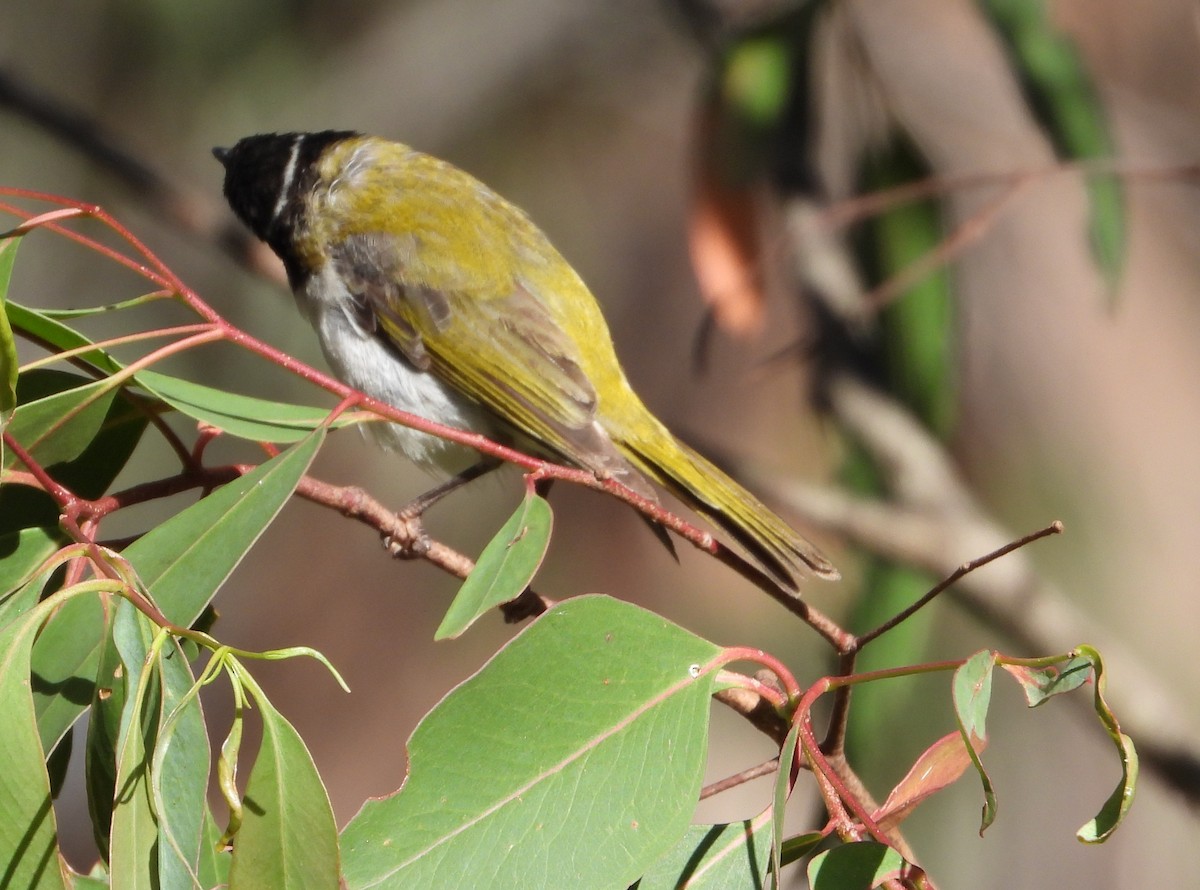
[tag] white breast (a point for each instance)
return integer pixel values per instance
(361, 359)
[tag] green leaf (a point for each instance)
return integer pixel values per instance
(21, 552)
(183, 561)
(29, 855)
(97, 881)
(109, 695)
(134, 838)
(56, 335)
(505, 568)
(179, 777)
(21, 600)
(259, 420)
(288, 836)
(972, 693)
(796, 848)
(1041, 684)
(91, 473)
(1099, 829)
(8, 345)
(214, 862)
(783, 790)
(573, 758)
(66, 658)
(186, 559)
(858, 866)
(59, 427)
(715, 857)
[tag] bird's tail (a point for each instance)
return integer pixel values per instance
(778, 548)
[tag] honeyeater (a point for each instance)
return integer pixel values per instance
(432, 293)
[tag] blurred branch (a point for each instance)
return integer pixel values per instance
(186, 209)
(713, 22)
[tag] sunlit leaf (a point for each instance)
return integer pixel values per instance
(715, 857)
(56, 335)
(288, 836)
(939, 765)
(59, 427)
(574, 758)
(179, 781)
(972, 692)
(65, 661)
(21, 552)
(134, 837)
(505, 568)
(860, 866)
(1041, 684)
(8, 346)
(259, 420)
(87, 475)
(1100, 828)
(783, 790)
(186, 559)
(28, 835)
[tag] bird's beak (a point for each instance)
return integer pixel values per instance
(222, 155)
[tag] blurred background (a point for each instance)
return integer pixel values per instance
(1073, 399)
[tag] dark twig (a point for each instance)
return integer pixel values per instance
(766, 768)
(1054, 528)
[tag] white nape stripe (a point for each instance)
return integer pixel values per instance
(285, 184)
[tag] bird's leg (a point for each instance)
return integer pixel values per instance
(421, 503)
(414, 542)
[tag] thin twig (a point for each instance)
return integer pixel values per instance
(766, 768)
(1054, 528)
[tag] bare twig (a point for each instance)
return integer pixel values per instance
(747, 775)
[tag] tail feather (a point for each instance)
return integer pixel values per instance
(778, 548)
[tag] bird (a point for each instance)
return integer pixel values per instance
(430, 292)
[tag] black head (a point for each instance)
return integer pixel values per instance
(267, 176)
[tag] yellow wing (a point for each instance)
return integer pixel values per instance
(496, 343)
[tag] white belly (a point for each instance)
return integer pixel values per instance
(362, 360)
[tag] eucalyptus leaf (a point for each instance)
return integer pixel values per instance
(573, 758)
(133, 844)
(505, 568)
(972, 693)
(29, 853)
(1115, 808)
(259, 420)
(288, 836)
(180, 770)
(186, 559)
(8, 346)
(860, 866)
(715, 857)
(59, 427)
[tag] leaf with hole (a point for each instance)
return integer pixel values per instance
(573, 758)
